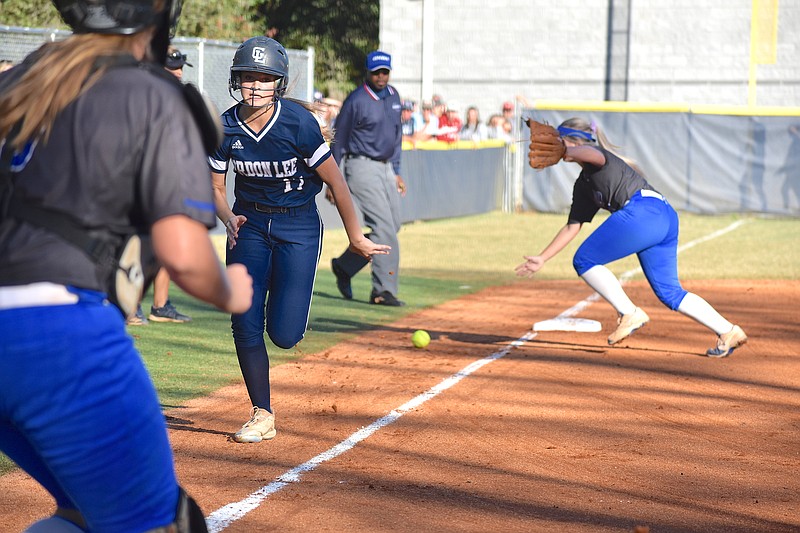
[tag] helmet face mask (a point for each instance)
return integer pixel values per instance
(262, 55)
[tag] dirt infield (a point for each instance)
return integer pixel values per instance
(563, 433)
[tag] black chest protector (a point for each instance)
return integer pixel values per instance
(125, 261)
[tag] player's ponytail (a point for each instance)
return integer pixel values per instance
(316, 110)
(52, 78)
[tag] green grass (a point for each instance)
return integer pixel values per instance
(444, 259)
(441, 260)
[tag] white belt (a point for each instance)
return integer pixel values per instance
(652, 194)
(35, 295)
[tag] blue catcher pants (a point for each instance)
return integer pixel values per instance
(79, 413)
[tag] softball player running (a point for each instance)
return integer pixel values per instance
(89, 129)
(642, 222)
(280, 160)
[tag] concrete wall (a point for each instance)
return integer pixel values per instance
(485, 52)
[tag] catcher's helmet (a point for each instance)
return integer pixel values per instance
(122, 17)
(260, 54)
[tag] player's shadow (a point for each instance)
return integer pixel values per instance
(751, 184)
(337, 296)
(336, 325)
(182, 424)
(604, 349)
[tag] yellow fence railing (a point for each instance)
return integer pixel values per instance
(653, 107)
(457, 145)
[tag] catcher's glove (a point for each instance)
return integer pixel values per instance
(547, 147)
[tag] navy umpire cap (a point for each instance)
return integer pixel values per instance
(176, 60)
(377, 60)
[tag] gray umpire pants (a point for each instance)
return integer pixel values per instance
(374, 189)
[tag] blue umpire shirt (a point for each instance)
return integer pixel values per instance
(369, 125)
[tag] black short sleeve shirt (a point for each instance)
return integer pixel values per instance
(125, 154)
(608, 187)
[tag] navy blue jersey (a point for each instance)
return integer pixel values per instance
(276, 165)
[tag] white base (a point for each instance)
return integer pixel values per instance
(568, 324)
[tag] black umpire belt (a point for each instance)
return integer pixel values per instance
(273, 209)
(366, 157)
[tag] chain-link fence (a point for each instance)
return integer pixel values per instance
(210, 60)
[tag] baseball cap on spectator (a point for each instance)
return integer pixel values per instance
(176, 60)
(508, 106)
(437, 100)
(408, 104)
(377, 60)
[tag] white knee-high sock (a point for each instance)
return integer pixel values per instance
(608, 286)
(695, 307)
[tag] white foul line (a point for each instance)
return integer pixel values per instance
(226, 515)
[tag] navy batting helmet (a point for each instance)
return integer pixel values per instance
(260, 54)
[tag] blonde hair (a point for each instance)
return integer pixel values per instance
(317, 110)
(581, 124)
(59, 73)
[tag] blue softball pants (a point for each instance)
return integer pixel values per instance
(79, 413)
(647, 226)
(281, 252)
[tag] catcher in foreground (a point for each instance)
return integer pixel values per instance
(641, 222)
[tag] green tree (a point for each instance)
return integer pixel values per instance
(342, 32)
(211, 19)
(30, 13)
(224, 20)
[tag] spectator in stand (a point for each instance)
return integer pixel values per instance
(473, 129)
(418, 116)
(430, 127)
(440, 111)
(508, 111)
(331, 107)
(407, 121)
(509, 115)
(496, 128)
(508, 128)
(449, 131)
(440, 115)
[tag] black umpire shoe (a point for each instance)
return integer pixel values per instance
(342, 280)
(385, 298)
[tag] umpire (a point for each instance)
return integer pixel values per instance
(367, 145)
